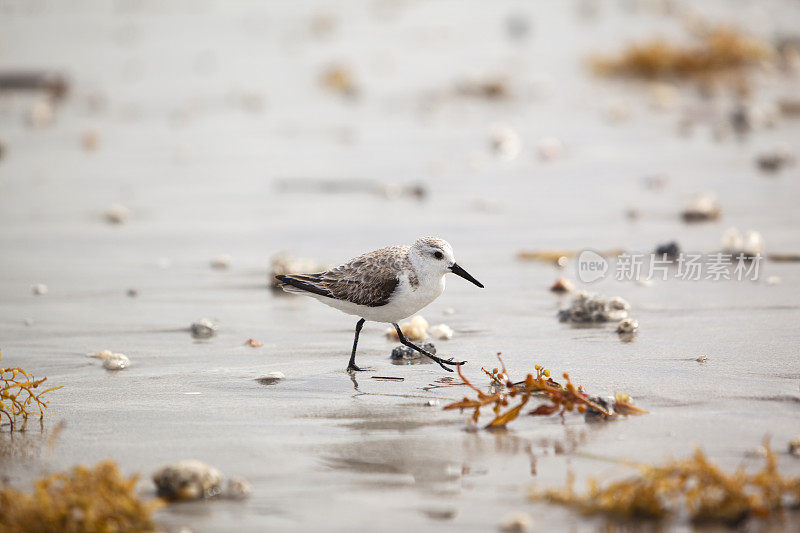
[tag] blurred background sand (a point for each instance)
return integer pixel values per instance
(222, 128)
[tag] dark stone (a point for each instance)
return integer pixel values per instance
(671, 250)
(404, 353)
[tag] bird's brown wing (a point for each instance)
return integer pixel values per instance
(369, 279)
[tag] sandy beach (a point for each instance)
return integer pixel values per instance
(212, 124)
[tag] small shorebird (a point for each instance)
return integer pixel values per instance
(386, 285)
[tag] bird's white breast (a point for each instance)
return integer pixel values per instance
(407, 299)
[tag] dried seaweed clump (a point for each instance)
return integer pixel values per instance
(97, 499)
(718, 50)
(559, 398)
(693, 487)
(18, 399)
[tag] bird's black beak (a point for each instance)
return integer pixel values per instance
(458, 271)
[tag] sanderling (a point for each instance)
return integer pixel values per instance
(386, 285)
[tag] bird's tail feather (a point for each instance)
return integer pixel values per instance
(300, 284)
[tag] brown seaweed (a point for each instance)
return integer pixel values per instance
(19, 397)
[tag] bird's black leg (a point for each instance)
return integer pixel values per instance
(352, 364)
(413, 346)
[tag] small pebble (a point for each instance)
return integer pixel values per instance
(627, 325)
(117, 214)
(271, 378)
(29, 322)
(516, 522)
(702, 358)
(404, 353)
(562, 285)
(254, 343)
(204, 329)
(448, 311)
(775, 161)
(90, 139)
(189, 479)
(504, 142)
(432, 403)
(670, 250)
(132, 293)
(112, 361)
(221, 262)
(701, 208)
(39, 289)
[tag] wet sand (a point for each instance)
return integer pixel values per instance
(200, 170)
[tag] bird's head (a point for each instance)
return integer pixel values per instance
(434, 257)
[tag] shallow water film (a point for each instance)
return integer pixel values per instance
(622, 176)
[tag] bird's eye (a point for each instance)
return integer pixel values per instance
(438, 255)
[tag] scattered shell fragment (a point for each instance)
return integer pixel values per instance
(516, 522)
(441, 332)
(749, 245)
(550, 149)
(490, 88)
(204, 329)
(794, 446)
(271, 378)
(448, 311)
(701, 358)
(39, 289)
(238, 488)
(627, 325)
(775, 161)
(117, 214)
(339, 79)
(404, 353)
(773, 280)
(254, 343)
(189, 479)
(701, 207)
(432, 403)
(90, 139)
(562, 285)
(221, 262)
(41, 113)
(112, 361)
(587, 307)
(414, 329)
(504, 142)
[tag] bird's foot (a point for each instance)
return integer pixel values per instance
(443, 362)
(354, 368)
